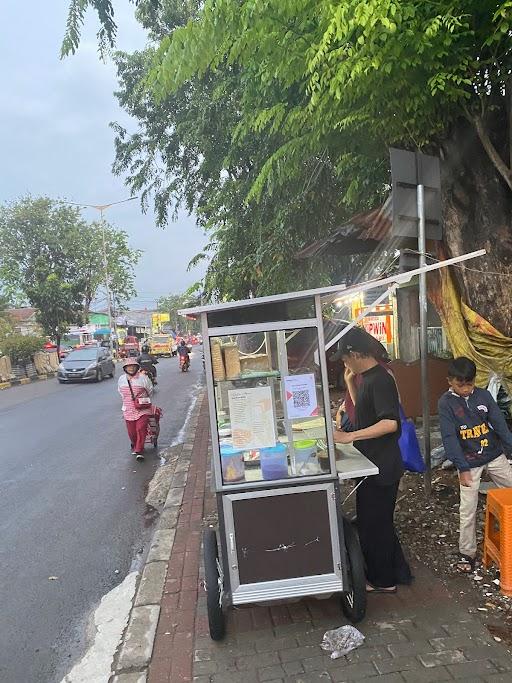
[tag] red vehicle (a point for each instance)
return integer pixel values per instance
(129, 348)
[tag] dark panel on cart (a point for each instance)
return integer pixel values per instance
(283, 536)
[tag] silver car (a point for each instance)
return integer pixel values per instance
(86, 365)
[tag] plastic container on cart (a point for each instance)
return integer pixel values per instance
(274, 462)
(232, 462)
(305, 455)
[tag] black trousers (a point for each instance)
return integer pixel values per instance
(385, 562)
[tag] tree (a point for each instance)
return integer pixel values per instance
(40, 246)
(20, 347)
(174, 302)
(433, 75)
(315, 88)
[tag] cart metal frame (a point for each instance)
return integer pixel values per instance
(236, 502)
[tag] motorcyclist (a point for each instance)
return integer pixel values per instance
(148, 362)
(183, 352)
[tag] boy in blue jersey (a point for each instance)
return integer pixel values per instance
(475, 436)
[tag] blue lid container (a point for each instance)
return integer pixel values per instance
(274, 462)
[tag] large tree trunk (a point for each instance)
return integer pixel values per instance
(477, 207)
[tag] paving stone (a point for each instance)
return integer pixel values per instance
(468, 669)
(478, 652)
(168, 518)
(497, 678)
(262, 659)
(161, 545)
(387, 638)
(292, 668)
(270, 673)
(368, 654)
(312, 677)
(151, 584)
(295, 629)
(318, 663)
(130, 678)
(464, 628)
(435, 674)
(502, 662)
(443, 657)
(409, 649)
(139, 638)
(396, 664)
(354, 672)
(299, 653)
(238, 677)
(274, 644)
(457, 642)
(388, 678)
(206, 668)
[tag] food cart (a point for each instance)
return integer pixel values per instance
(275, 470)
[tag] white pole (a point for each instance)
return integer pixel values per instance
(427, 477)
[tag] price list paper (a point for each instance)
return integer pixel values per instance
(252, 418)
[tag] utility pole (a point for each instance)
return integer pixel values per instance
(101, 208)
(417, 215)
(425, 393)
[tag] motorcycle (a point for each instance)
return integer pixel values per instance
(184, 363)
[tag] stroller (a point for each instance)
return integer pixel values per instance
(153, 427)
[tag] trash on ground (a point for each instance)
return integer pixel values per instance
(340, 641)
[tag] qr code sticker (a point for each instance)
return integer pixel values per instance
(301, 399)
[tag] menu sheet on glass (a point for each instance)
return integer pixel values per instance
(252, 418)
(301, 400)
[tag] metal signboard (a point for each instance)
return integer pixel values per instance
(408, 170)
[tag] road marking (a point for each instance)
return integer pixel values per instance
(109, 621)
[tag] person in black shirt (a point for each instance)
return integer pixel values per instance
(377, 430)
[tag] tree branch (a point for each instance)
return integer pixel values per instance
(491, 150)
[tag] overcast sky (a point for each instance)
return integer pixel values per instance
(55, 138)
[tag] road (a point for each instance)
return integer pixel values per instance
(71, 507)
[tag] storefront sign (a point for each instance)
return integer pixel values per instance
(379, 326)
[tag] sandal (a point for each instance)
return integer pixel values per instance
(370, 588)
(465, 564)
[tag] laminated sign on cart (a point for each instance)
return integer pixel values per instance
(252, 418)
(301, 400)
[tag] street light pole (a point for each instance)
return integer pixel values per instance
(111, 320)
(101, 208)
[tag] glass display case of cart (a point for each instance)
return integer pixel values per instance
(270, 405)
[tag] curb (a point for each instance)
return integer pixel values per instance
(136, 646)
(26, 380)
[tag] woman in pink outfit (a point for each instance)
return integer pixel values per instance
(134, 385)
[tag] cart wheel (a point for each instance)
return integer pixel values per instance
(353, 602)
(214, 585)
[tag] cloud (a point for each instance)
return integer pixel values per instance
(55, 136)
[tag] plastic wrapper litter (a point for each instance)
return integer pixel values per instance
(340, 641)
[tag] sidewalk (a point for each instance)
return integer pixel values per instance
(424, 633)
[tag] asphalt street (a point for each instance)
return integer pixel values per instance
(72, 514)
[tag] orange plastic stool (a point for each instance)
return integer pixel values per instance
(498, 535)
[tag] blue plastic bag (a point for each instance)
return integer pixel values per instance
(409, 446)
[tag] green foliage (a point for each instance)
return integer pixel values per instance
(272, 119)
(19, 347)
(76, 16)
(40, 247)
(173, 303)
(52, 258)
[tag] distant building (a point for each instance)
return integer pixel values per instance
(25, 320)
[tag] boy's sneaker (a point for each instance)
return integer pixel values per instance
(140, 456)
